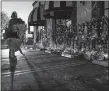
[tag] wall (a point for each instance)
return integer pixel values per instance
(84, 11)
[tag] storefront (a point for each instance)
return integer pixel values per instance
(71, 27)
(36, 23)
(93, 17)
(60, 16)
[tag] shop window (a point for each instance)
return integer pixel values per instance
(31, 28)
(41, 28)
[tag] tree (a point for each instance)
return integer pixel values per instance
(4, 20)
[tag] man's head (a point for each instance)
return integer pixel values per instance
(14, 14)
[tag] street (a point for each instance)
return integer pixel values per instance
(44, 72)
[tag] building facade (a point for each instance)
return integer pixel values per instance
(60, 20)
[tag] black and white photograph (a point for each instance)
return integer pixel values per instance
(56, 45)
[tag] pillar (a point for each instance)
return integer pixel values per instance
(53, 33)
(49, 31)
(34, 34)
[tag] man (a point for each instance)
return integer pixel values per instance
(14, 33)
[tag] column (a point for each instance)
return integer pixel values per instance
(51, 32)
(50, 27)
(34, 38)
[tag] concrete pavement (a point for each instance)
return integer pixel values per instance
(23, 79)
(43, 72)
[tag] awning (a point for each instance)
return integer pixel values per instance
(59, 9)
(36, 17)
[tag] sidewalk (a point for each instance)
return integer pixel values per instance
(4, 59)
(24, 79)
(56, 73)
(5, 65)
(61, 73)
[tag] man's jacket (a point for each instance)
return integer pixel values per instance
(15, 28)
